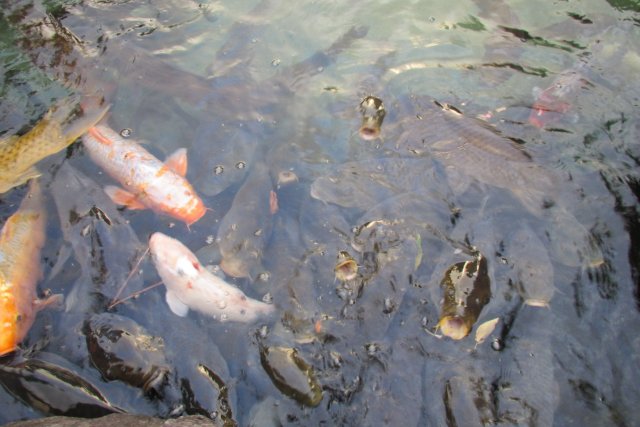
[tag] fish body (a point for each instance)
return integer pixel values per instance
(19, 154)
(245, 230)
(191, 286)
(147, 182)
(553, 103)
(21, 240)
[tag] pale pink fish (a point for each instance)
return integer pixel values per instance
(191, 286)
(147, 182)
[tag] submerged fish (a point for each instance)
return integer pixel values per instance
(191, 286)
(148, 182)
(553, 103)
(246, 228)
(19, 154)
(21, 239)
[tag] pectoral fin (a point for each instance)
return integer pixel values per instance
(123, 197)
(177, 306)
(177, 161)
(54, 301)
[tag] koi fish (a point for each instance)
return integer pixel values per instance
(21, 239)
(551, 104)
(19, 154)
(191, 286)
(148, 183)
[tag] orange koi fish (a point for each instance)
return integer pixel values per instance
(147, 182)
(21, 239)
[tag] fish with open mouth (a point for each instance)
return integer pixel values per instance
(191, 286)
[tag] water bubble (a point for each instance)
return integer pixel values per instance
(241, 165)
(217, 170)
(222, 305)
(264, 276)
(275, 62)
(263, 331)
(224, 317)
(496, 344)
(210, 239)
(126, 132)
(267, 298)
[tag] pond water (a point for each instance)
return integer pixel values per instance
(503, 185)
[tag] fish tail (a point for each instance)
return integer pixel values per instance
(80, 126)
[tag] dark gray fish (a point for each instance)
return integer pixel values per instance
(290, 373)
(362, 184)
(104, 244)
(246, 228)
(123, 350)
(533, 268)
(54, 390)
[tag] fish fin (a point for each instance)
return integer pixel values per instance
(54, 301)
(178, 307)
(123, 197)
(20, 179)
(177, 161)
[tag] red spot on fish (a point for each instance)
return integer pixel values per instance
(189, 285)
(273, 202)
(196, 265)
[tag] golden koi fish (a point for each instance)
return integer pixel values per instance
(147, 182)
(191, 286)
(19, 154)
(21, 239)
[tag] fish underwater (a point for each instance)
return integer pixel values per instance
(554, 102)
(191, 286)
(245, 230)
(21, 239)
(148, 183)
(19, 154)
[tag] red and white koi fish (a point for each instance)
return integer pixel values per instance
(191, 286)
(21, 239)
(147, 182)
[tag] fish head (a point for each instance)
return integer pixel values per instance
(192, 211)
(13, 324)
(176, 264)
(373, 112)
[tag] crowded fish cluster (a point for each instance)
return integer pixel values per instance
(311, 277)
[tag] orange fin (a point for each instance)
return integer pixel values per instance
(53, 301)
(123, 197)
(177, 161)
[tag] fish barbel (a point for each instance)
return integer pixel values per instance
(21, 239)
(147, 182)
(191, 286)
(19, 154)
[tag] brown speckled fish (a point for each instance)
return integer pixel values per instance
(19, 154)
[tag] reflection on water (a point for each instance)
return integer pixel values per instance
(347, 167)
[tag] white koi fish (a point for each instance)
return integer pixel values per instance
(192, 286)
(147, 182)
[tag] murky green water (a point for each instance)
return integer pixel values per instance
(539, 177)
